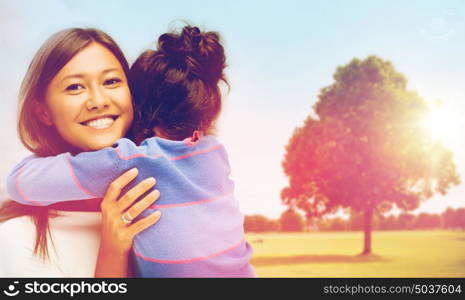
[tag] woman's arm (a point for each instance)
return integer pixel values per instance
(117, 236)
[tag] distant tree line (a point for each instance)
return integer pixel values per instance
(292, 221)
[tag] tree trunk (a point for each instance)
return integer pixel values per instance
(368, 216)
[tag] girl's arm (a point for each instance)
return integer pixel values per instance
(46, 180)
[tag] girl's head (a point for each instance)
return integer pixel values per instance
(75, 95)
(175, 88)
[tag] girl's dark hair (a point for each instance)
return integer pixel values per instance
(36, 136)
(176, 87)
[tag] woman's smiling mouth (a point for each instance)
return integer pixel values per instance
(101, 122)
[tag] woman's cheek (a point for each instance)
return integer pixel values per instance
(122, 96)
(123, 100)
(66, 108)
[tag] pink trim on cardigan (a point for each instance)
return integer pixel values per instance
(190, 203)
(189, 260)
(212, 148)
(121, 156)
(22, 193)
(76, 180)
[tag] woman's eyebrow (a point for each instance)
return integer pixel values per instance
(111, 70)
(71, 76)
(80, 76)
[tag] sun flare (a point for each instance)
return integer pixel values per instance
(445, 124)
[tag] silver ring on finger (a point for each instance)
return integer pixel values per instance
(127, 218)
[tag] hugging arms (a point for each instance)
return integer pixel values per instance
(176, 100)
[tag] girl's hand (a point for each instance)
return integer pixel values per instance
(118, 230)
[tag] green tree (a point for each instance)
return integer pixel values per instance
(428, 221)
(292, 221)
(355, 221)
(338, 224)
(454, 218)
(406, 221)
(367, 148)
(389, 223)
(449, 216)
(259, 223)
(460, 218)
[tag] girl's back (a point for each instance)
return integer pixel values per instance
(201, 231)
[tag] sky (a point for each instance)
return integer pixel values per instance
(279, 53)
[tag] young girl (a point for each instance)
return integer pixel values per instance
(73, 239)
(177, 100)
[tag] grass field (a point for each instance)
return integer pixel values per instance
(335, 254)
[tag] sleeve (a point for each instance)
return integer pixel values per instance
(41, 181)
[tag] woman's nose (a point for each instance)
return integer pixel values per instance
(97, 100)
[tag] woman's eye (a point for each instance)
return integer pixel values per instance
(112, 81)
(74, 87)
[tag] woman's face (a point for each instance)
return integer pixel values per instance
(89, 101)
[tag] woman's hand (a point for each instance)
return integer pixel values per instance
(118, 230)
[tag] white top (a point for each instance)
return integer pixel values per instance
(76, 240)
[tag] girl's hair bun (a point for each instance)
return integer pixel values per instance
(176, 87)
(191, 37)
(198, 53)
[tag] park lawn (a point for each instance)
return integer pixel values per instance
(335, 254)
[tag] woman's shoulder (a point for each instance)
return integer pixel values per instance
(16, 227)
(17, 236)
(73, 246)
(21, 227)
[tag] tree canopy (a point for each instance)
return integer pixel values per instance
(367, 148)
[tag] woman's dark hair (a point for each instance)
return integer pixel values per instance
(176, 87)
(54, 54)
(39, 138)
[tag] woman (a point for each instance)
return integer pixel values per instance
(74, 98)
(177, 100)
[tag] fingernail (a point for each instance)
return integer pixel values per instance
(157, 213)
(134, 171)
(151, 180)
(156, 193)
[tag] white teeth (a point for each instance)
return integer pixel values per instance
(100, 123)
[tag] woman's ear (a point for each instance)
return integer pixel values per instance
(42, 113)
